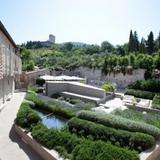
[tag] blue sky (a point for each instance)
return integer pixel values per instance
(90, 21)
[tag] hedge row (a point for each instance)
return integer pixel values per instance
(49, 108)
(156, 102)
(132, 140)
(26, 116)
(146, 85)
(120, 123)
(140, 93)
(79, 148)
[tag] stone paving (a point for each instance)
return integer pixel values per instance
(11, 146)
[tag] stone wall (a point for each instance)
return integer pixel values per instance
(7, 85)
(29, 78)
(95, 77)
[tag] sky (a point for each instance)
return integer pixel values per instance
(89, 21)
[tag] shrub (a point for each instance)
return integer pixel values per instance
(150, 118)
(26, 116)
(79, 147)
(146, 85)
(120, 123)
(133, 140)
(140, 94)
(108, 87)
(156, 102)
(53, 108)
(33, 88)
(102, 151)
(40, 81)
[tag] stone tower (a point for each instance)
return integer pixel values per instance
(52, 38)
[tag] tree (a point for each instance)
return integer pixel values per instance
(150, 43)
(106, 46)
(159, 41)
(142, 47)
(68, 46)
(136, 42)
(133, 42)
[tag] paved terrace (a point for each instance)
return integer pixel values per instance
(11, 146)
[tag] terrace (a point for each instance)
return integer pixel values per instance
(74, 116)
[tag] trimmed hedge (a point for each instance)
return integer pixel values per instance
(140, 93)
(132, 140)
(149, 117)
(120, 123)
(54, 108)
(156, 102)
(79, 148)
(146, 85)
(40, 81)
(102, 151)
(26, 116)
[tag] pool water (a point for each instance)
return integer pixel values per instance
(52, 121)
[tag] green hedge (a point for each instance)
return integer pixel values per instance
(40, 81)
(26, 116)
(156, 102)
(120, 123)
(132, 140)
(140, 93)
(146, 85)
(79, 148)
(149, 117)
(54, 108)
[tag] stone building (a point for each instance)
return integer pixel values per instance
(10, 65)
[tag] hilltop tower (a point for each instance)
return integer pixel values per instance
(52, 38)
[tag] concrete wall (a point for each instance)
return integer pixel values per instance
(95, 77)
(43, 152)
(86, 90)
(74, 87)
(29, 78)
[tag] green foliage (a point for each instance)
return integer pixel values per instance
(78, 148)
(108, 87)
(120, 123)
(150, 118)
(52, 108)
(150, 43)
(146, 85)
(100, 151)
(40, 81)
(132, 140)
(140, 93)
(156, 102)
(26, 116)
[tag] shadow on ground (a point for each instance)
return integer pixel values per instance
(22, 145)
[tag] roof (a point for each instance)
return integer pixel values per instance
(61, 78)
(5, 32)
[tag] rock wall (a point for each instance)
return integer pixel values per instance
(96, 78)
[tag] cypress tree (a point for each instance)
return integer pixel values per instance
(142, 47)
(158, 41)
(131, 42)
(150, 43)
(136, 42)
